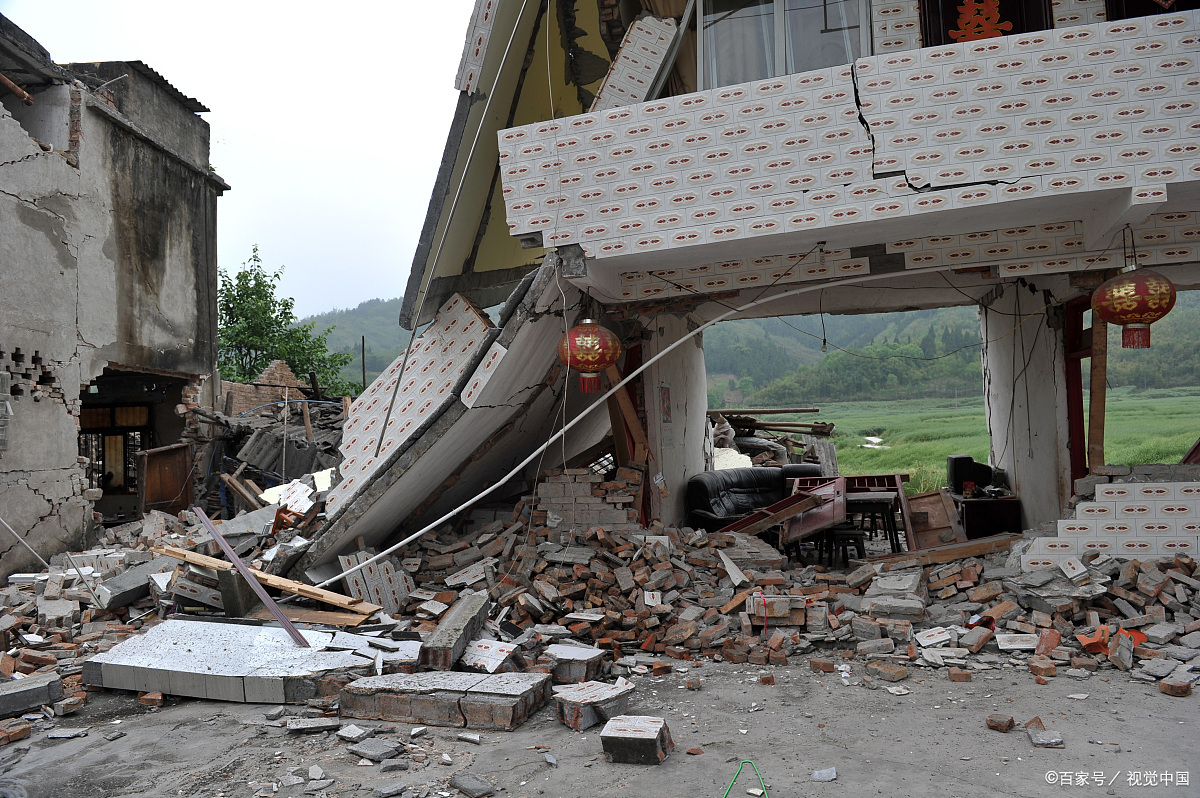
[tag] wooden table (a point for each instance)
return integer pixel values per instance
(881, 502)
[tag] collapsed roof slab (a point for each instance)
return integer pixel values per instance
(478, 437)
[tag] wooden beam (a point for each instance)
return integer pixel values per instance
(628, 411)
(305, 615)
(242, 492)
(951, 551)
(308, 433)
(620, 441)
(271, 580)
(1096, 402)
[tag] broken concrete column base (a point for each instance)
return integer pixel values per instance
(471, 700)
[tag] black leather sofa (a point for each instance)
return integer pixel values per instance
(716, 499)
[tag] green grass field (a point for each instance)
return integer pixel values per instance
(1155, 426)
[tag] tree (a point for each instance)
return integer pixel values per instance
(255, 327)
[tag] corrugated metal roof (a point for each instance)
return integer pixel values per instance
(190, 103)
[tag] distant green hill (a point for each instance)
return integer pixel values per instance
(915, 354)
(778, 361)
(378, 320)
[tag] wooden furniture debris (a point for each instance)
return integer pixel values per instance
(933, 519)
(952, 551)
(271, 580)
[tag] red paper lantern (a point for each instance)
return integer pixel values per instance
(1134, 300)
(589, 349)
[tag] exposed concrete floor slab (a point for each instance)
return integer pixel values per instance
(220, 661)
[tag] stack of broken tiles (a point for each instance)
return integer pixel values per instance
(470, 700)
(581, 706)
(636, 740)
(574, 664)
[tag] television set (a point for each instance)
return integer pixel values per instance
(962, 468)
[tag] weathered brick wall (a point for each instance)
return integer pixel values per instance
(264, 390)
(582, 499)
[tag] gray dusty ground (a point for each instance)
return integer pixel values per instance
(932, 742)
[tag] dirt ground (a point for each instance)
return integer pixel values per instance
(931, 742)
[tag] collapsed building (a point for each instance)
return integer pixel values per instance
(108, 209)
(649, 171)
(662, 166)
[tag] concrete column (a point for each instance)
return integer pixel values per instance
(1025, 399)
(676, 401)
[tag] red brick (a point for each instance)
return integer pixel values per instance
(1000, 610)
(985, 592)
(151, 699)
(37, 657)
(1173, 687)
(13, 730)
(888, 671)
(1001, 723)
(1042, 666)
(959, 675)
(1048, 640)
(767, 678)
(820, 665)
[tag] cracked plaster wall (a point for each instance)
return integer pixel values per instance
(1025, 394)
(107, 251)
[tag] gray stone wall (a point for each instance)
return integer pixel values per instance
(107, 259)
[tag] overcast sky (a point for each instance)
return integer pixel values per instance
(329, 126)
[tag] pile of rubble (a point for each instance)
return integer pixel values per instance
(480, 629)
(276, 444)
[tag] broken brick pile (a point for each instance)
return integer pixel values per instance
(534, 594)
(581, 498)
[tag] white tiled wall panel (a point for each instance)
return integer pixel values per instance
(479, 30)
(1076, 109)
(438, 359)
(1153, 519)
(638, 62)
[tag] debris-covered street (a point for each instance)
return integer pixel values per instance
(512, 531)
(932, 741)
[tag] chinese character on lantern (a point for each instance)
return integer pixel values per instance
(979, 19)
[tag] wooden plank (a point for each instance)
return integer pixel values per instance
(242, 492)
(620, 439)
(951, 551)
(271, 580)
(831, 513)
(303, 615)
(777, 513)
(165, 479)
(308, 433)
(627, 410)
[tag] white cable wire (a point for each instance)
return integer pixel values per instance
(866, 278)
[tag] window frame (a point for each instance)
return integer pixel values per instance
(779, 23)
(939, 16)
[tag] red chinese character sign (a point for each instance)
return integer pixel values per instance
(1134, 300)
(589, 349)
(979, 19)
